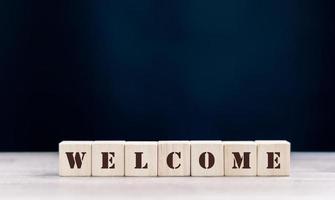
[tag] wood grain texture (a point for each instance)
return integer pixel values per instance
(207, 158)
(147, 154)
(273, 158)
(35, 176)
(75, 158)
(179, 153)
(246, 151)
(108, 158)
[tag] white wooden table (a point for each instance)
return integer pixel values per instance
(34, 176)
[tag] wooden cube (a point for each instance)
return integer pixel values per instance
(108, 158)
(141, 159)
(207, 158)
(75, 158)
(273, 158)
(240, 158)
(174, 158)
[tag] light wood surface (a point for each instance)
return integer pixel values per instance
(108, 158)
(273, 158)
(141, 158)
(179, 155)
(80, 155)
(243, 151)
(207, 158)
(35, 176)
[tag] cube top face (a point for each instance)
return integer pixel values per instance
(273, 158)
(207, 158)
(173, 142)
(174, 158)
(68, 142)
(141, 159)
(195, 142)
(239, 142)
(240, 158)
(75, 158)
(136, 143)
(109, 142)
(271, 142)
(108, 158)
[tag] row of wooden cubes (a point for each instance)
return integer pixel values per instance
(174, 158)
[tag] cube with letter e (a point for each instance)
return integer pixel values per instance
(273, 158)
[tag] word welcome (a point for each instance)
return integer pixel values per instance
(175, 158)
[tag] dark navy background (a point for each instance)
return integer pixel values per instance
(157, 69)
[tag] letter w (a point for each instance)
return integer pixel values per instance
(76, 159)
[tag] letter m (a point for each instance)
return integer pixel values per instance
(238, 160)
